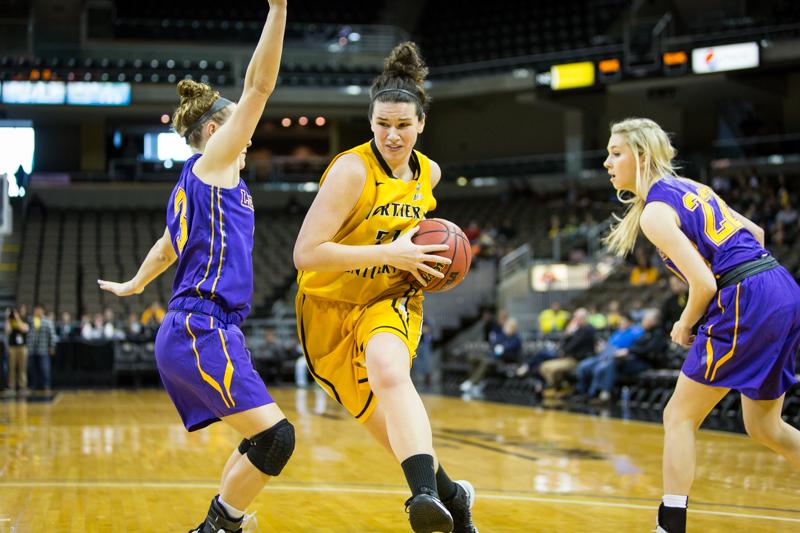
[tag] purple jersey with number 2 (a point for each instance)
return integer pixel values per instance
(749, 336)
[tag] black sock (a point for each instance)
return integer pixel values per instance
(444, 485)
(673, 519)
(419, 473)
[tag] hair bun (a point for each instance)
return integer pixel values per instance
(188, 89)
(406, 61)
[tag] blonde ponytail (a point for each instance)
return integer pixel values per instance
(649, 142)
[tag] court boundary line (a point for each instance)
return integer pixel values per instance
(347, 489)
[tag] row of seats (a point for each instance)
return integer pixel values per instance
(480, 31)
(64, 252)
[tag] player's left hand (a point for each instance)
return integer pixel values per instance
(120, 289)
(682, 334)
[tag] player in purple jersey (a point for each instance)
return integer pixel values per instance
(200, 350)
(747, 305)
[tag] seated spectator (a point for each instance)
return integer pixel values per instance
(577, 344)
(110, 330)
(505, 347)
(66, 329)
(493, 325)
(553, 319)
(594, 373)
(153, 315)
(646, 352)
(612, 315)
(596, 318)
(133, 328)
(92, 329)
(643, 273)
(472, 232)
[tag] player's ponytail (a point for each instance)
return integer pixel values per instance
(653, 154)
(196, 100)
(402, 79)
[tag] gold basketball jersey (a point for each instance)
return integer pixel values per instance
(386, 209)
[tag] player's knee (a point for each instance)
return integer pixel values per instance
(382, 378)
(270, 450)
(761, 431)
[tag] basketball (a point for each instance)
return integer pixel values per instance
(440, 231)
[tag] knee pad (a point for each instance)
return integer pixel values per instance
(244, 446)
(270, 450)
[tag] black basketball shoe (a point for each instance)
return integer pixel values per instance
(428, 514)
(218, 521)
(460, 506)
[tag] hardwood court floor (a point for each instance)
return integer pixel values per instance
(121, 461)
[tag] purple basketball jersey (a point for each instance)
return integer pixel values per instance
(212, 233)
(708, 223)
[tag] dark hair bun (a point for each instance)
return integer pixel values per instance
(405, 61)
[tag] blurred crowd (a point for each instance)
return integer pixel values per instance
(31, 340)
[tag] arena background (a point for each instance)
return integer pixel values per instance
(523, 96)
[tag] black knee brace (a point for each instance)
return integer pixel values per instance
(270, 450)
(244, 446)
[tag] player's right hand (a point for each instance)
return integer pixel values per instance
(127, 288)
(406, 255)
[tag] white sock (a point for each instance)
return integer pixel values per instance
(232, 511)
(672, 500)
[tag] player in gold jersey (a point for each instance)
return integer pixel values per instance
(358, 318)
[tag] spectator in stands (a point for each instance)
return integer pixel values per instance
(133, 328)
(593, 372)
(110, 330)
(92, 329)
(644, 273)
(787, 215)
(673, 306)
(494, 324)
(613, 317)
(596, 318)
(553, 319)
(577, 344)
(41, 346)
(472, 232)
(646, 352)
(153, 315)
(66, 328)
(637, 310)
(504, 347)
(17, 337)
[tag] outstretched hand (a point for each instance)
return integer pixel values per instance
(127, 288)
(406, 255)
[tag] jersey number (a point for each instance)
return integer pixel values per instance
(180, 207)
(720, 232)
(381, 236)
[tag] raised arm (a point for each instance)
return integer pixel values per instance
(224, 147)
(659, 222)
(158, 259)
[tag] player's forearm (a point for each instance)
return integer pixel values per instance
(334, 257)
(156, 262)
(262, 72)
(700, 295)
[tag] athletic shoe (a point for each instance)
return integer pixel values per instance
(428, 514)
(460, 506)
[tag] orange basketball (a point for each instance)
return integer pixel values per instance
(440, 231)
